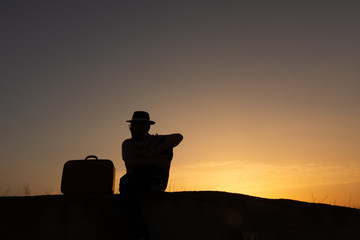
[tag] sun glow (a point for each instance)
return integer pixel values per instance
(267, 180)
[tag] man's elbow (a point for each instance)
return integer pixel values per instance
(178, 138)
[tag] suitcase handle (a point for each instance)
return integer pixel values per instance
(91, 156)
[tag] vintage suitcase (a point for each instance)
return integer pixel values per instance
(89, 176)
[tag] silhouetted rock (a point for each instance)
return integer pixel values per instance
(180, 215)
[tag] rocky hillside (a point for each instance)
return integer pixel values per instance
(180, 215)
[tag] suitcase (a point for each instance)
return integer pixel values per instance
(89, 176)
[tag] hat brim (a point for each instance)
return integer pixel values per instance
(141, 120)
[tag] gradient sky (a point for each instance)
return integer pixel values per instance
(266, 93)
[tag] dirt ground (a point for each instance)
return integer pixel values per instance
(179, 215)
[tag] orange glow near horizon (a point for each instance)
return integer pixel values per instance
(312, 158)
(306, 183)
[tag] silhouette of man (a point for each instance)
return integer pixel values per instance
(147, 160)
(147, 157)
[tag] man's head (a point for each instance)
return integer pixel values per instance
(140, 124)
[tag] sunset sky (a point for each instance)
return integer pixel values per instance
(265, 93)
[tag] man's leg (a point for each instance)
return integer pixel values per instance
(129, 190)
(159, 179)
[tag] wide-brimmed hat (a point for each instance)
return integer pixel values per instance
(141, 116)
